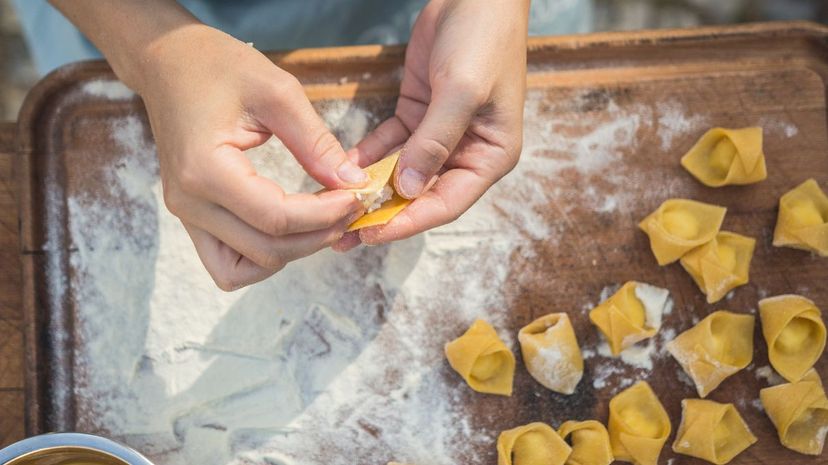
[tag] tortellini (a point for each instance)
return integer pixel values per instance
(630, 315)
(727, 156)
(717, 347)
(638, 425)
(721, 264)
(711, 431)
(551, 353)
(794, 332)
(799, 411)
(803, 219)
(680, 225)
(532, 444)
(590, 443)
(378, 197)
(483, 360)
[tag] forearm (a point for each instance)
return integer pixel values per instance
(128, 32)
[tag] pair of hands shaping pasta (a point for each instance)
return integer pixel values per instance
(209, 97)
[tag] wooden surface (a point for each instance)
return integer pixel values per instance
(12, 423)
(731, 76)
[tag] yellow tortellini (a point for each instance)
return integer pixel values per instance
(551, 353)
(717, 347)
(711, 431)
(680, 225)
(379, 198)
(727, 156)
(794, 332)
(590, 442)
(803, 219)
(630, 315)
(483, 360)
(721, 264)
(799, 411)
(638, 425)
(532, 444)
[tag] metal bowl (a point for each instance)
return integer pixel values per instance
(70, 449)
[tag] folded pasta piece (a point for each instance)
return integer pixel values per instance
(638, 425)
(803, 219)
(711, 431)
(590, 443)
(551, 353)
(727, 156)
(378, 197)
(717, 347)
(721, 264)
(680, 225)
(799, 411)
(532, 444)
(794, 332)
(483, 360)
(630, 315)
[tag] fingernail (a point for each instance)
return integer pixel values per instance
(354, 216)
(351, 173)
(412, 183)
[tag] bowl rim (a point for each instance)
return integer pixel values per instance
(45, 442)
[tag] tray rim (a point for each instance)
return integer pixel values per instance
(51, 85)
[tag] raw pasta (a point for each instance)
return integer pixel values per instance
(727, 156)
(638, 425)
(630, 315)
(483, 360)
(551, 353)
(803, 219)
(532, 444)
(799, 411)
(721, 264)
(711, 431)
(717, 347)
(590, 442)
(379, 175)
(680, 225)
(795, 334)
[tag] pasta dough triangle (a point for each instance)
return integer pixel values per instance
(680, 225)
(638, 425)
(721, 264)
(727, 156)
(799, 411)
(551, 353)
(482, 359)
(714, 349)
(532, 444)
(590, 443)
(803, 219)
(625, 318)
(795, 334)
(711, 431)
(379, 175)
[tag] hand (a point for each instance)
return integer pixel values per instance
(459, 114)
(210, 97)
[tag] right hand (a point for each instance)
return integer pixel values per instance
(209, 97)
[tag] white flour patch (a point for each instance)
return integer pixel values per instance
(769, 375)
(673, 121)
(108, 89)
(778, 127)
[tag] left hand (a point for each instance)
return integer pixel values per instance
(459, 114)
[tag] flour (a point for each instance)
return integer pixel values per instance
(770, 376)
(672, 120)
(338, 358)
(108, 89)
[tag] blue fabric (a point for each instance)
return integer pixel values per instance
(283, 24)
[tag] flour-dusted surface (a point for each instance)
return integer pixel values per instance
(338, 359)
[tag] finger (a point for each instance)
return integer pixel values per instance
(389, 135)
(453, 193)
(228, 179)
(347, 242)
(446, 120)
(289, 115)
(229, 269)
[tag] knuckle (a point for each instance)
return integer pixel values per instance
(326, 147)
(226, 282)
(276, 223)
(189, 179)
(466, 86)
(432, 151)
(173, 200)
(273, 259)
(285, 86)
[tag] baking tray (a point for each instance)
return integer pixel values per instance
(772, 74)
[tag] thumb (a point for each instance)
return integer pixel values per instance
(289, 115)
(446, 120)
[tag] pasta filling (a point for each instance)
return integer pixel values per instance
(681, 223)
(722, 155)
